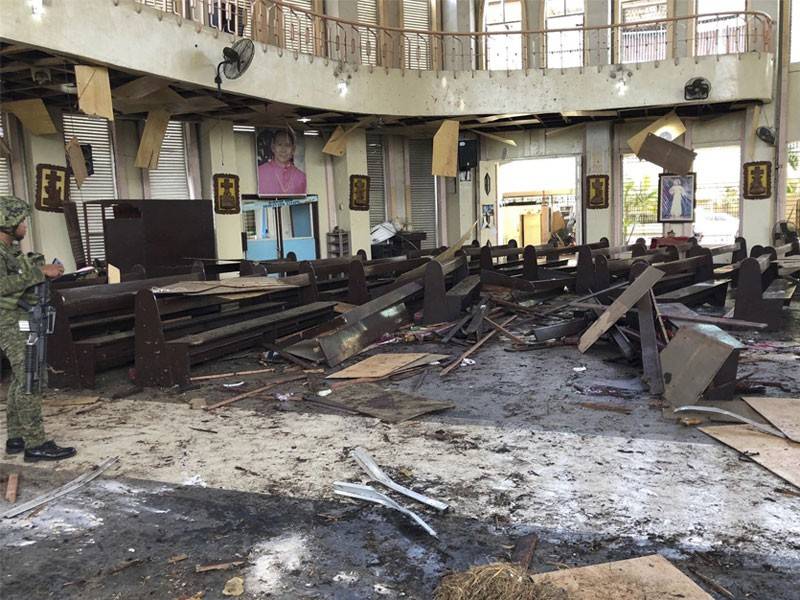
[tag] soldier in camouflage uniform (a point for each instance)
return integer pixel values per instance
(18, 273)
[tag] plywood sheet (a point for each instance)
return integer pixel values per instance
(150, 146)
(140, 87)
(378, 365)
(94, 91)
(640, 286)
(781, 456)
(670, 156)
(389, 406)
(445, 150)
(669, 122)
(783, 413)
(164, 99)
(33, 114)
(336, 144)
(652, 577)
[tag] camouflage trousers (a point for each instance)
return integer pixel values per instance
(23, 411)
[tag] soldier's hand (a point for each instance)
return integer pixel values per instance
(53, 271)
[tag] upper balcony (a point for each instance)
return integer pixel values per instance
(316, 60)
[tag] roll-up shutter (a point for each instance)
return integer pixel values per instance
(99, 186)
(298, 28)
(367, 12)
(423, 190)
(377, 190)
(6, 188)
(170, 181)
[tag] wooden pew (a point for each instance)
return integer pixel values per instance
(94, 329)
(761, 294)
(441, 304)
(175, 333)
(691, 281)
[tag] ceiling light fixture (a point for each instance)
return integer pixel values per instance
(311, 132)
(304, 119)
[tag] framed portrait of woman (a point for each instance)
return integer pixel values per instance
(676, 198)
(280, 156)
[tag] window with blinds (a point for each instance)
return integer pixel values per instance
(367, 12)
(99, 186)
(423, 190)
(416, 47)
(298, 28)
(6, 187)
(170, 181)
(375, 170)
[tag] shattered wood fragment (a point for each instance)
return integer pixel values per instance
(218, 566)
(713, 584)
(514, 338)
(255, 391)
(11, 488)
(603, 406)
(524, 549)
(231, 374)
(640, 286)
(474, 348)
(177, 558)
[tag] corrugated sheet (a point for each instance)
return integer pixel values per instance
(377, 189)
(100, 186)
(423, 190)
(170, 181)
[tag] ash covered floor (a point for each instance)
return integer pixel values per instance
(518, 454)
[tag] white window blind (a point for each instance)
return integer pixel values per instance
(6, 187)
(367, 12)
(99, 186)
(170, 181)
(377, 190)
(416, 47)
(298, 28)
(423, 190)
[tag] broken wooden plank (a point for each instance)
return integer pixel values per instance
(648, 342)
(576, 301)
(231, 374)
(474, 348)
(94, 91)
(783, 413)
(218, 566)
(256, 391)
(524, 549)
(604, 406)
(514, 338)
(640, 286)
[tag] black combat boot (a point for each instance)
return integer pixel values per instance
(48, 451)
(15, 445)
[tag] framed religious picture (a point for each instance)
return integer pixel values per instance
(676, 198)
(359, 192)
(52, 188)
(226, 194)
(280, 158)
(757, 180)
(597, 191)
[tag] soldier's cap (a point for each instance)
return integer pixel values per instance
(13, 211)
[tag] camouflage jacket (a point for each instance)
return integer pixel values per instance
(18, 273)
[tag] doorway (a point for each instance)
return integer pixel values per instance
(537, 197)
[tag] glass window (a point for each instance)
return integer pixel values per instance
(301, 220)
(639, 199)
(249, 223)
(170, 181)
(647, 42)
(717, 210)
(503, 51)
(564, 48)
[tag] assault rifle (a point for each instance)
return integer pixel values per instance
(41, 323)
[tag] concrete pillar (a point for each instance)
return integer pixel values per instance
(534, 21)
(317, 184)
(458, 16)
(597, 43)
(48, 229)
(218, 155)
(757, 216)
(395, 188)
(598, 150)
(460, 208)
(354, 162)
(126, 144)
(680, 35)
